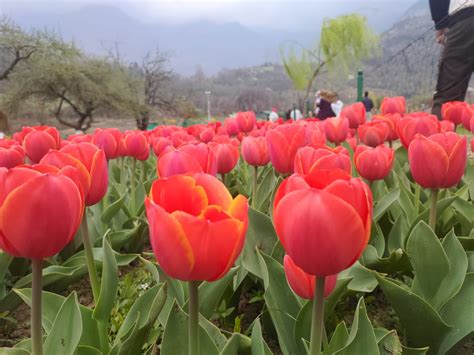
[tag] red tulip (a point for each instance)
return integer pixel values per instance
(159, 144)
(110, 140)
(391, 121)
(336, 129)
(283, 142)
(373, 133)
(255, 151)
(95, 162)
(246, 121)
(454, 111)
(373, 163)
(231, 127)
(446, 126)
(227, 155)
(136, 145)
(393, 105)
(302, 283)
(355, 114)
(37, 141)
(197, 230)
(11, 154)
(204, 156)
(323, 220)
(175, 162)
(207, 135)
(39, 213)
(315, 135)
(438, 161)
(308, 158)
(468, 118)
(420, 123)
(77, 138)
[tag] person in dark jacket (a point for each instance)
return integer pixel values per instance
(454, 24)
(323, 103)
(369, 106)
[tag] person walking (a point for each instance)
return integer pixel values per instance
(369, 106)
(454, 24)
(324, 109)
(273, 116)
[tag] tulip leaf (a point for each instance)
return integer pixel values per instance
(258, 344)
(108, 286)
(458, 312)
(144, 312)
(87, 350)
(283, 306)
(382, 205)
(265, 189)
(237, 344)
(51, 304)
(414, 351)
(423, 325)
(66, 331)
(338, 340)
(112, 210)
(389, 343)
(407, 203)
(214, 332)
(398, 234)
(362, 337)
(210, 293)
(14, 351)
(5, 260)
(363, 279)
(260, 236)
(430, 262)
(175, 337)
(465, 209)
(397, 261)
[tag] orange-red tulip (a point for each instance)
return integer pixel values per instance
(302, 283)
(231, 127)
(373, 163)
(246, 121)
(446, 126)
(283, 142)
(308, 158)
(173, 162)
(38, 140)
(197, 230)
(393, 105)
(207, 135)
(355, 114)
(39, 212)
(455, 111)
(438, 161)
(136, 145)
(159, 144)
(95, 162)
(391, 121)
(255, 151)
(11, 154)
(110, 140)
(419, 123)
(373, 133)
(204, 156)
(323, 220)
(336, 129)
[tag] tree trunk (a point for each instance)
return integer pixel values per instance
(4, 126)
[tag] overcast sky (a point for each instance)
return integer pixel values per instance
(256, 13)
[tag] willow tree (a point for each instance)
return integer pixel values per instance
(344, 42)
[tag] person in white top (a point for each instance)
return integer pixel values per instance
(296, 114)
(273, 116)
(337, 105)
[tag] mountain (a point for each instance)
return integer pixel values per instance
(208, 45)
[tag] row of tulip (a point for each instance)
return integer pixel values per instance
(323, 217)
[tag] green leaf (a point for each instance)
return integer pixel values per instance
(382, 205)
(283, 307)
(51, 304)
(87, 350)
(397, 261)
(66, 331)
(108, 286)
(112, 210)
(414, 351)
(214, 332)
(14, 351)
(338, 339)
(5, 260)
(258, 347)
(144, 311)
(210, 293)
(175, 337)
(260, 236)
(390, 344)
(265, 189)
(459, 313)
(430, 262)
(398, 234)
(423, 325)
(363, 279)
(362, 337)
(237, 344)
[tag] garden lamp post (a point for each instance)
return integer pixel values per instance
(208, 94)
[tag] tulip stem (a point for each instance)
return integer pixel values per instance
(318, 319)
(93, 277)
(193, 325)
(143, 171)
(417, 199)
(254, 191)
(36, 327)
(433, 208)
(122, 163)
(133, 184)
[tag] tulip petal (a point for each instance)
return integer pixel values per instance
(429, 162)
